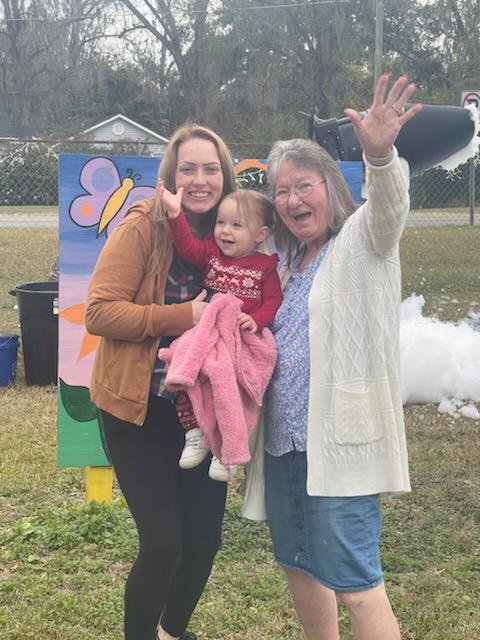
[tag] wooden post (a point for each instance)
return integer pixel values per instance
(98, 484)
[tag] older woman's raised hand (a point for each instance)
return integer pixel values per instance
(379, 128)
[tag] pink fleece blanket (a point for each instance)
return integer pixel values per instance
(225, 372)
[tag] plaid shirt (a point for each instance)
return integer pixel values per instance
(183, 284)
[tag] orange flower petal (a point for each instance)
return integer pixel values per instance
(75, 313)
(89, 344)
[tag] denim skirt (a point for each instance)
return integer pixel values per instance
(333, 539)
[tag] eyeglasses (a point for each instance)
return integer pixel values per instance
(302, 191)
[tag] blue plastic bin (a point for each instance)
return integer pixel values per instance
(8, 358)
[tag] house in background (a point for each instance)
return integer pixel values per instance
(121, 130)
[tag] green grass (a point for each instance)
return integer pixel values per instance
(443, 264)
(26, 256)
(63, 563)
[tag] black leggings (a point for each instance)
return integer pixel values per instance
(178, 516)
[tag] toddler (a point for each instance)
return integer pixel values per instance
(230, 263)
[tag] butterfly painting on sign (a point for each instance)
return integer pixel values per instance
(108, 195)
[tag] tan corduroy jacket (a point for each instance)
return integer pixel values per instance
(125, 306)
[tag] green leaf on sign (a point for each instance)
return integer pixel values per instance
(77, 403)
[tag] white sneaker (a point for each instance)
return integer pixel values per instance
(194, 452)
(218, 472)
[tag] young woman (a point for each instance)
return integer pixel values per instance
(142, 295)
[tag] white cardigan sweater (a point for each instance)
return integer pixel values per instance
(355, 433)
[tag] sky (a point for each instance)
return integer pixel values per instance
(440, 361)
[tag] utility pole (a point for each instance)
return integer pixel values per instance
(378, 64)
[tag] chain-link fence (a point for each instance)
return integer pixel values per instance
(29, 182)
(442, 203)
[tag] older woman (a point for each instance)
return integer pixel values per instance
(334, 431)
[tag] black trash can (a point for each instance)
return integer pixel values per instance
(38, 311)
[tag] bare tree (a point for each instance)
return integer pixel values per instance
(180, 30)
(43, 43)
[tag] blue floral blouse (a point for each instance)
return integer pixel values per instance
(286, 399)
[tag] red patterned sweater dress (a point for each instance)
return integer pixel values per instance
(253, 279)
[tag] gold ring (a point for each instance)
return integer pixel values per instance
(399, 111)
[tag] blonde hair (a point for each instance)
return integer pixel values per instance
(167, 170)
(305, 153)
(253, 206)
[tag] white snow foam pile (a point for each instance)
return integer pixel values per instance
(440, 361)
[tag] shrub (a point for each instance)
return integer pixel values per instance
(28, 174)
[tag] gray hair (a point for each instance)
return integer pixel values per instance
(305, 153)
